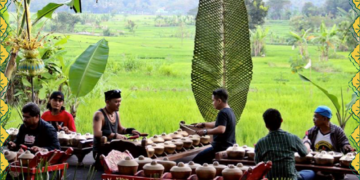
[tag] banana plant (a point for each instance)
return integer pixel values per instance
(343, 111)
(87, 69)
(23, 18)
(258, 40)
(326, 39)
(301, 40)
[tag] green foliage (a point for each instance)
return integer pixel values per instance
(326, 39)
(347, 40)
(277, 8)
(88, 68)
(343, 112)
(131, 26)
(167, 70)
(301, 41)
(258, 41)
(297, 63)
(331, 6)
(309, 9)
(107, 32)
(65, 22)
(131, 64)
(257, 11)
(302, 22)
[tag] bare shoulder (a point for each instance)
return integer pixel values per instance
(98, 116)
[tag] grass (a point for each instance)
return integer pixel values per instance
(157, 93)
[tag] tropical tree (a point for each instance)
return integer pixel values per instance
(309, 9)
(345, 28)
(24, 28)
(326, 39)
(301, 40)
(277, 7)
(258, 41)
(331, 6)
(257, 12)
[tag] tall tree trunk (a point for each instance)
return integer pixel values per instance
(10, 67)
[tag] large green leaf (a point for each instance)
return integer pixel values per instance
(47, 11)
(88, 68)
(222, 55)
(332, 97)
(76, 5)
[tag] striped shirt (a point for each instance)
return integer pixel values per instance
(279, 147)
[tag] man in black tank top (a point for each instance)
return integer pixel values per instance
(223, 129)
(106, 122)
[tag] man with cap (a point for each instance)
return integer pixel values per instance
(56, 114)
(325, 135)
(106, 122)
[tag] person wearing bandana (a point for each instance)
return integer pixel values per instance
(57, 115)
(106, 122)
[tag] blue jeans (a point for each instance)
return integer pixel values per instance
(307, 175)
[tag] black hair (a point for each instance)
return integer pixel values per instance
(222, 94)
(272, 118)
(32, 109)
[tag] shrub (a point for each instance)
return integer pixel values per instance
(167, 70)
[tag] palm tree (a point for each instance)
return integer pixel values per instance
(301, 40)
(258, 41)
(326, 39)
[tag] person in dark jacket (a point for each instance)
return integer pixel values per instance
(35, 133)
(325, 135)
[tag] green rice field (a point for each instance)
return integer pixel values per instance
(153, 68)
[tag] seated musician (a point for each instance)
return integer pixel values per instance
(35, 133)
(279, 147)
(56, 114)
(325, 135)
(223, 129)
(106, 122)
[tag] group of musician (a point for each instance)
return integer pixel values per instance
(277, 146)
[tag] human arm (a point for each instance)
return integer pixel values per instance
(221, 123)
(18, 140)
(257, 157)
(205, 125)
(344, 142)
(306, 141)
(217, 130)
(71, 123)
(301, 148)
(124, 130)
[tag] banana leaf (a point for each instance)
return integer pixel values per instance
(88, 68)
(222, 55)
(49, 9)
(332, 97)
